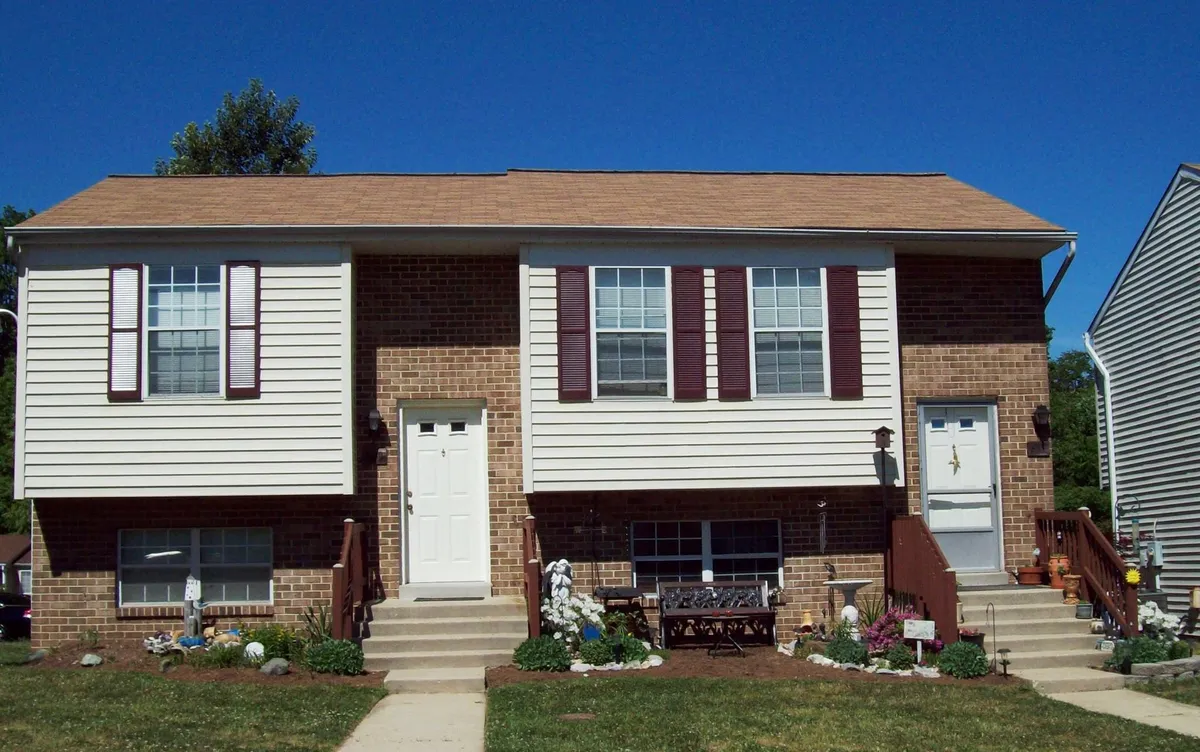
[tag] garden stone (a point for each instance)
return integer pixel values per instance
(1162, 679)
(851, 667)
(871, 669)
(581, 668)
(35, 656)
(91, 659)
(925, 672)
(905, 672)
(655, 661)
(886, 671)
(1136, 680)
(820, 660)
(1150, 669)
(275, 667)
(1186, 675)
(1190, 664)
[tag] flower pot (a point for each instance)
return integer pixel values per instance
(975, 639)
(1030, 575)
(1059, 566)
(1071, 589)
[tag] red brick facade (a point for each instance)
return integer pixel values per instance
(448, 328)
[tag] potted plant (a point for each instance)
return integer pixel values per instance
(1031, 575)
(973, 636)
(1071, 588)
(1060, 566)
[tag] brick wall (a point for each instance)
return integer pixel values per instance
(442, 327)
(974, 329)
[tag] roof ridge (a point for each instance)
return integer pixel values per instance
(729, 172)
(320, 175)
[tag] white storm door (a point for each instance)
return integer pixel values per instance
(445, 500)
(958, 467)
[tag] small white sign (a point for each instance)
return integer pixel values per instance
(918, 629)
(191, 589)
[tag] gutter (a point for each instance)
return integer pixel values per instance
(1062, 272)
(1109, 435)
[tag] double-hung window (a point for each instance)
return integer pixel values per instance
(631, 332)
(788, 324)
(706, 552)
(232, 564)
(183, 323)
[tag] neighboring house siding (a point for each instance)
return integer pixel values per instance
(1150, 343)
(649, 443)
(293, 439)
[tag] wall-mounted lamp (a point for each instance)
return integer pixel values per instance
(373, 421)
(376, 430)
(1041, 427)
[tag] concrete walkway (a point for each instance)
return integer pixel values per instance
(1138, 706)
(424, 722)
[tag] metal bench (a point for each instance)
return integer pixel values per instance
(725, 614)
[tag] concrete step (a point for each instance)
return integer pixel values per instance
(1031, 659)
(437, 659)
(411, 643)
(481, 609)
(440, 680)
(1018, 596)
(1043, 643)
(976, 579)
(1006, 629)
(1051, 680)
(503, 623)
(976, 614)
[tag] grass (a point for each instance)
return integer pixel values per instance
(14, 652)
(1187, 691)
(65, 710)
(725, 715)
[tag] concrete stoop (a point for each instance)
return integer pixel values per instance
(1049, 646)
(442, 646)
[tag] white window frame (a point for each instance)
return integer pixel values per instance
(194, 567)
(222, 329)
(706, 555)
(824, 394)
(595, 364)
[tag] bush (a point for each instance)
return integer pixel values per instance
(335, 657)
(218, 656)
(963, 660)
(846, 650)
(277, 641)
(1138, 650)
(900, 657)
(596, 652)
(633, 650)
(542, 654)
(1179, 649)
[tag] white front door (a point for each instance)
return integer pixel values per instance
(958, 470)
(445, 499)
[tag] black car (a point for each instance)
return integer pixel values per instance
(15, 615)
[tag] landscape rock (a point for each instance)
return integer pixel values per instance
(851, 667)
(581, 667)
(1151, 669)
(90, 659)
(1162, 678)
(886, 671)
(1186, 675)
(820, 660)
(905, 672)
(1136, 680)
(275, 667)
(35, 656)
(655, 661)
(926, 672)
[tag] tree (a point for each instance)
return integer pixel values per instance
(14, 513)
(1073, 430)
(254, 134)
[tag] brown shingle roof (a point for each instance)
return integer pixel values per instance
(14, 549)
(925, 201)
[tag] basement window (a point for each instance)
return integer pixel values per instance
(706, 552)
(234, 565)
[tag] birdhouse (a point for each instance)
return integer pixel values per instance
(883, 437)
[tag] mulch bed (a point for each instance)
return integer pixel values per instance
(133, 657)
(759, 663)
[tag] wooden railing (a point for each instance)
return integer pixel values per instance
(349, 580)
(1093, 557)
(533, 576)
(917, 575)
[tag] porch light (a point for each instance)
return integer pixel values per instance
(373, 421)
(883, 437)
(1195, 597)
(1041, 427)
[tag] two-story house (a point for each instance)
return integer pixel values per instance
(679, 374)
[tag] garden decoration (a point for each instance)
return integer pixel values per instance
(1071, 589)
(567, 613)
(1059, 567)
(1031, 575)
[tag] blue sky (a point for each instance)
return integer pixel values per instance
(1079, 113)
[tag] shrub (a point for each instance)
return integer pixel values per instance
(963, 660)
(1179, 649)
(218, 656)
(900, 657)
(277, 641)
(335, 657)
(846, 650)
(805, 648)
(1138, 650)
(633, 650)
(318, 625)
(542, 654)
(596, 652)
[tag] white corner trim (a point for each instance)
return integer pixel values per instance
(348, 442)
(21, 366)
(1109, 432)
(894, 363)
(526, 379)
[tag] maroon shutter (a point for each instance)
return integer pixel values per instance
(574, 335)
(687, 322)
(845, 341)
(125, 332)
(733, 334)
(243, 310)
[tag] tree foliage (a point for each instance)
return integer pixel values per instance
(254, 134)
(14, 514)
(1073, 430)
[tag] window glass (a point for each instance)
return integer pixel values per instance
(788, 325)
(234, 565)
(631, 332)
(183, 318)
(705, 551)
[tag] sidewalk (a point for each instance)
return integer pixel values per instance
(424, 722)
(1138, 706)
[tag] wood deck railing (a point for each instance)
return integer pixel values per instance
(917, 575)
(1093, 558)
(349, 580)
(533, 576)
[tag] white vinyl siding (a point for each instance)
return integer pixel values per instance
(780, 441)
(294, 439)
(1149, 340)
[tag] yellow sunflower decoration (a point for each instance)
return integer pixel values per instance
(1133, 576)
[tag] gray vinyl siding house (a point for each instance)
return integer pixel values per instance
(1145, 341)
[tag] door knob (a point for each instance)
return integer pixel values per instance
(410, 509)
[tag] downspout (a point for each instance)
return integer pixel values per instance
(1109, 440)
(1062, 272)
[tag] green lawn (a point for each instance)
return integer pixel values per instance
(1180, 691)
(725, 715)
(65, 710)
